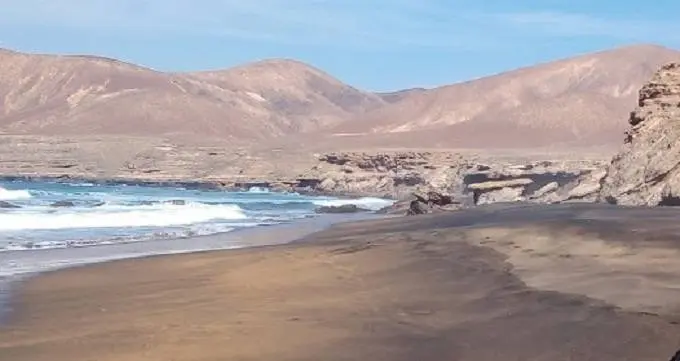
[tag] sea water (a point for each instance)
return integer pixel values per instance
(46, 225)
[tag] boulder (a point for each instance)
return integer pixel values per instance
(8, 205)
(501, 195)
(500, 184)
(417, 207)
(439, 199)
(345, 208)
(548, 188)
(62, 204)
(429, 202)
(647, 169)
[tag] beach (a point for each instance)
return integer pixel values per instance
(559, 282)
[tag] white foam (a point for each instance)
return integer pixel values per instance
(158, 215)
(196, 230)
(370, 203)
(258, 190)
(12, 195)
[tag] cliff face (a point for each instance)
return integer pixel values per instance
(466, 180)
(385, 174)
(647, 170)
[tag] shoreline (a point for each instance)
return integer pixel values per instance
(243, 238)
(443, 286)
(201, 184)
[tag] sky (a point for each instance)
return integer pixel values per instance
(377, 45)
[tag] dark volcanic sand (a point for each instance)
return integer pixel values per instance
(566, 282)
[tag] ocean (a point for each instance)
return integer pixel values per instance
(47, 225)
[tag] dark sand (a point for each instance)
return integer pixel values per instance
(567, 282)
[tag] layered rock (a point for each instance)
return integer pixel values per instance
(431, 182)
(394, 175)
(539, 182)
(647, 170)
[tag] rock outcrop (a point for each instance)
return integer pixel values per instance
(62, 204)
(394, 175)
(647, 170)
(345, 208)
(8, 205)
(676, 356)
(584, 188)
(467, 180)
(431, 182)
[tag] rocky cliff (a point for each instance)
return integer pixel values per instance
(443, 179)
(394, 174)
(647, 170)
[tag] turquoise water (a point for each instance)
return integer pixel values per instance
(68, 215)
(48, 225)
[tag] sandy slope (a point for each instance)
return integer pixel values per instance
(446, 287)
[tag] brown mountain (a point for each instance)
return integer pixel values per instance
(46, 94)
(579, 101)
(584, 100)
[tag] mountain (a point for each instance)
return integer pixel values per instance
(583, 100)
(393, 97)
(579, 101)
(48, 94)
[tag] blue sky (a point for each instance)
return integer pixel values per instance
(372, 44)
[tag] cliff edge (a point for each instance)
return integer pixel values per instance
(647, 170)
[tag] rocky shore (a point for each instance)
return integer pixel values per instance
(645, 172)
(445, 179)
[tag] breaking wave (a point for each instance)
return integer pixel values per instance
(370, 203)
(12, 195)
(156, 215)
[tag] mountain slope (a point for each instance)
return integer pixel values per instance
(44, 94)
(579, 101)
(582, 100)
(310, 98)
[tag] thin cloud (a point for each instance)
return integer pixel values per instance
(566, 24)
(358, 24)
(380, 23)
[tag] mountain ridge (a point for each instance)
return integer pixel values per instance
(581, 99)
(586, 97)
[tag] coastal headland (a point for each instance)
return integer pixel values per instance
(519, 282)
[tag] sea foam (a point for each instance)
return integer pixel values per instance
(370, 203)
(12, 195)
(157, 215)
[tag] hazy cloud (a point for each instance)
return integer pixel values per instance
(575, 24)
(349, 23)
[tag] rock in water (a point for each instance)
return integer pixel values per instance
(647, 170)
(345, 208)
(62, 204)
(8, 205)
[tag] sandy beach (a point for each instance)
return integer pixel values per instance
(562, 282)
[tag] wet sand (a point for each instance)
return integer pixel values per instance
(566, 282)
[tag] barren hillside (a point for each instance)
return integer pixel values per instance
(580, 101)
(84, 95)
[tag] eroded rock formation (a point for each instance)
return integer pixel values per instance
(431, 182)
(394, 175)
(647, 170)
